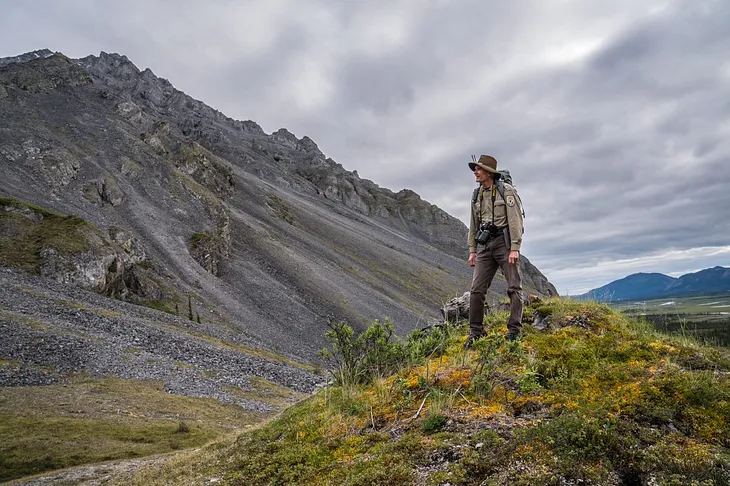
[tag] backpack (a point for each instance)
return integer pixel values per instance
(504, 176)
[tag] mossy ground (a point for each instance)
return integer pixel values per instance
(596, 399)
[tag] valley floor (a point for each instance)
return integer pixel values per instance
(86, 380)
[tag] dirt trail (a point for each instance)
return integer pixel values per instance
(92, 475)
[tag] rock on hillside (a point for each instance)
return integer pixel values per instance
(269, 236)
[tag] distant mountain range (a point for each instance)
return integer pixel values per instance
(657, 285)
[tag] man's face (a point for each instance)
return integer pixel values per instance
(481, 175)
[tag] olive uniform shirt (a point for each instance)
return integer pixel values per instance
(506, 211)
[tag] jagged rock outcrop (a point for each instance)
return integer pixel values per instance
(104, 190)
(28, 56)
(281, 157)
(456, 309)
(54, 72)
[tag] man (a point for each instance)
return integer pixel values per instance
(495, 237)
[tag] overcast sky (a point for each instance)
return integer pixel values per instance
(613, 117)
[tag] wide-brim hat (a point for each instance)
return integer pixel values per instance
(486, 162)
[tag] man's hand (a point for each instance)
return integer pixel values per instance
(472, 258)
(514, 257)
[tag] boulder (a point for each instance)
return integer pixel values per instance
(456, 309)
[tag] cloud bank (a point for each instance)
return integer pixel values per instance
(614, 118)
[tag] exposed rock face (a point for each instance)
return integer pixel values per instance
(28, 56)
(104, 191)
(57, 165)
(210, 250)
(205, 168)
(71, 251)
(131, 246)
(281, 157)
(274, 237)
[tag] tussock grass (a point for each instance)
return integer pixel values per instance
(595, 399)
(27, 320)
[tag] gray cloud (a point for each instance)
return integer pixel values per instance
(614, 117)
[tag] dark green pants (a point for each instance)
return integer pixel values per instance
(489, 258)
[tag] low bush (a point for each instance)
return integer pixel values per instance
(356, 360)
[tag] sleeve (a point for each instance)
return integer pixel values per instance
(514, 217)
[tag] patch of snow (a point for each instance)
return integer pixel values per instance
(668, 303)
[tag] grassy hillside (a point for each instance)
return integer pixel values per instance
(595, 398)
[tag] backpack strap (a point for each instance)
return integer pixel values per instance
(474, 197)
(500, 187)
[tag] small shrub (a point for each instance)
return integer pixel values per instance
(433, 422)
(488, 438)
(359, 360)
(529, 382)
(199, 239)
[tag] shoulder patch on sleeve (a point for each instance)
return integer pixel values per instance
(510, 201)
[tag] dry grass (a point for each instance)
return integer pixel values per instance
(52, 427)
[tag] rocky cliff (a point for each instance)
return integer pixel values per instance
(169, 200)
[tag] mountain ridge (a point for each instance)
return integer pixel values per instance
(657, 285)
(255, 227)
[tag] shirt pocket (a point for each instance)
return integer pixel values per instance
(500, 211)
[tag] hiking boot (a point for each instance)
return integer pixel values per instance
(513, 336)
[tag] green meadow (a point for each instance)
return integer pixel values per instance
(704, 316)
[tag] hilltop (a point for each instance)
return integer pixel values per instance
(590, 398)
